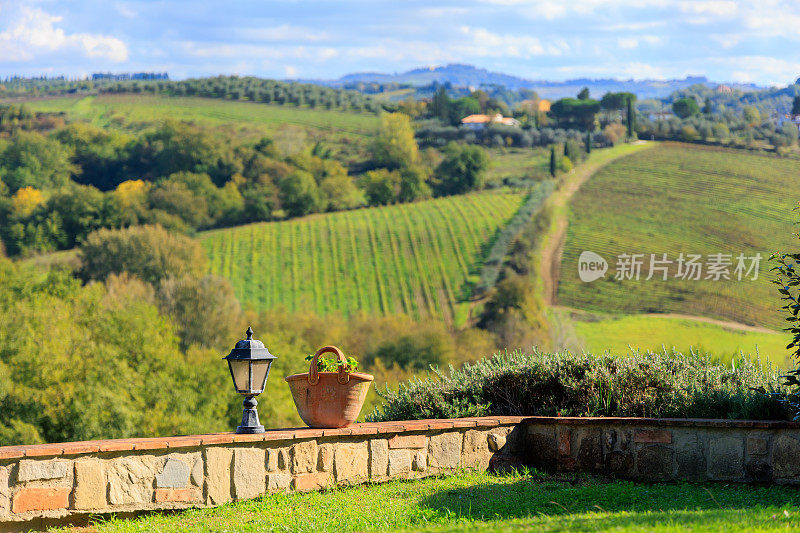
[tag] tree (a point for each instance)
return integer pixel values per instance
(583, 94)
(685, 107)
(574, 112)
(707, 106)
(150, 253)
(395, 146)
(553, 160)
(32, 160)
(299, 194)
(588, 142)
(462, 169)
(381, 186)
(616, 101)
(796, 105)
(340, 192)
(630, 118)
(204, 309)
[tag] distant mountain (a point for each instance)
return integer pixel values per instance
(469, 76)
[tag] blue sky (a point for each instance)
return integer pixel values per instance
(726, 40)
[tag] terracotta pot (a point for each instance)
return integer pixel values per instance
(329, 399)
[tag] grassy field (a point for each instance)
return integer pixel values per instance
(686, 199)
(600, 333)
(517, 164)
(482, 502)
(416, 259)
(109, 108)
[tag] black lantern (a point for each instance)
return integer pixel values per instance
(249, 363)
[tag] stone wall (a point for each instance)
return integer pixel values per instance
(666, 449)
(61, 483)
(58, 483)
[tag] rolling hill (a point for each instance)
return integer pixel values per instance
(688, 199)
(418, 259)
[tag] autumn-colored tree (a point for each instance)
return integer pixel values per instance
(25, 200)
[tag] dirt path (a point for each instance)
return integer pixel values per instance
(550, 254)
(723, 323)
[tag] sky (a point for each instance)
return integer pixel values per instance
(725, 40)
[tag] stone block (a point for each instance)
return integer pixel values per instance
(726, 458)
(312, 481)
(131, 479)
(444, 450)
(378, 458)
(41, 499)
(653, 436)
(175, 475)
(564, 442)
(46, 469)
(620, 463)
(183, 495)
(420, 461)
(218, 475)
(756, 446)
(304, 457)
(197, 472)
(399, 462)
(502, 463)
(408, 441)
(276, 459)
(690, 457)
(654, 462)
(785, 457)
(758, 469)
(475, 442)
(351, 462)
(90, 484)
(589, 457)
(278, 481)
(5, 491)
(496, 441)
(325, 458)
(249, 473)
(541, 450)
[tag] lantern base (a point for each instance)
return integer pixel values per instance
(250, 430)
(250, 422)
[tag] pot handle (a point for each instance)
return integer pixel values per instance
(313, 375)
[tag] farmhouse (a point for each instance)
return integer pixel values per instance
(476, 122)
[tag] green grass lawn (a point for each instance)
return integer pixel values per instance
(413, 258)
(620, 334)
(678, 198)
(483, 502)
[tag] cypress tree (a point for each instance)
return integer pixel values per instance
(553, 160)
(588, 142)
(630, 118)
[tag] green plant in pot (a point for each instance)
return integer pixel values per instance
(331, 393)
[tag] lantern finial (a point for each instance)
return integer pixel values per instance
(249, 333)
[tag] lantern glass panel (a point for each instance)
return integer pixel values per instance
(260, 371)
(240, 370)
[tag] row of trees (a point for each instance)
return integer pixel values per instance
(58, 187)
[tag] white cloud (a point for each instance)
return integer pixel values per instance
(629, 43)
(716, 8)
(31, 32)
(482, 42)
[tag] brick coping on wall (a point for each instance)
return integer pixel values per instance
(364, 429)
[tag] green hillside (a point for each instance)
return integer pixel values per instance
(689, 199)
(107, 108)
(413, 258)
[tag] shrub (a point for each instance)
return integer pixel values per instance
(149, 252)
(665, 384)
